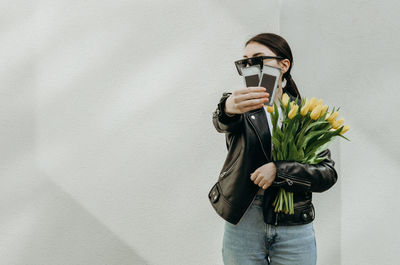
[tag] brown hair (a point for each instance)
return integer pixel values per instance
(280, 47)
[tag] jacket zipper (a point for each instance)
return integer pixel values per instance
(290, 179)
(222, 175)
(290, 182)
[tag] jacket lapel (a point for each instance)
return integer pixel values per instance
(258, 119)
(259, 122)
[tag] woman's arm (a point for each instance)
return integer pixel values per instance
(295, 176)
(223, 122)
(240, 101)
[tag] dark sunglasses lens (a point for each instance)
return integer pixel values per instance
(242, 63)
(247, 62)
(252, 61)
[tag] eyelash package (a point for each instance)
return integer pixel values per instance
(269, 79)
(251, 75)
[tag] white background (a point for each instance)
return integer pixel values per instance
(107, 146)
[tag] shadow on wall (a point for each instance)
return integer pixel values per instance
(56, 229)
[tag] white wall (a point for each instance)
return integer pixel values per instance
(108, 149)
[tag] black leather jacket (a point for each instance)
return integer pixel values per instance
(248, 142)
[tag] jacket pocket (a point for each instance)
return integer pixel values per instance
(303, 213)
(307, 212)
(291, 183)
(215, 194)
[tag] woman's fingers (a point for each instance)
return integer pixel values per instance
(246, 99)
(252, 102)
(263, 183)
(247, 105)
(259, 180)
(251, 95)
(251, 98)
(251, 107)
(250, 89)
(253, 176)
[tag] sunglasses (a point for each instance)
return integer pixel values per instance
(240, 64)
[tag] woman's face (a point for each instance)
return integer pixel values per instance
(254, 49)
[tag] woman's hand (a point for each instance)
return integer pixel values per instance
(246, 99)
(264, 176)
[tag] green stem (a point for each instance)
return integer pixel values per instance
(286, 210)
(291, 203)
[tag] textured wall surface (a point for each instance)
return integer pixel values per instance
(108, 149)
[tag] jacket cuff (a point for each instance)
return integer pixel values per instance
(223, 117)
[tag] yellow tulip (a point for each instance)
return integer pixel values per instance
(345, 129)
(315, 114)
(337, 124)
(270, 109)
(313, 100)
(316, 104)
(333, 116)
(293, 111)
(285, 99)
(328, 115)
(305, 108)
(324, 109)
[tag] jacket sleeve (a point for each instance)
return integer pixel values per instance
(295, 176)
(224, 123)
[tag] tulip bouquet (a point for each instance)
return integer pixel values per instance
(306, 131)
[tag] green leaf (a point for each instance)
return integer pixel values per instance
(316, 160)
(303, 101)
(315, 124)
(323, 147)
(276, 143)
(292, 150)
(312, 148)
(300, 154)
(275, 116)
(280, 134)
(344, 137)
(306, 121)
(312, 136)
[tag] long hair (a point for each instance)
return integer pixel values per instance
(280, 47)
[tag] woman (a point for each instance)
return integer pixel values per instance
(249, 180)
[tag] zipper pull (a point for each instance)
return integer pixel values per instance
(289, 182)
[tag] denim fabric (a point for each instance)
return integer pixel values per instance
(253, 242)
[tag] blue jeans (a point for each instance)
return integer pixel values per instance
(253, 242)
